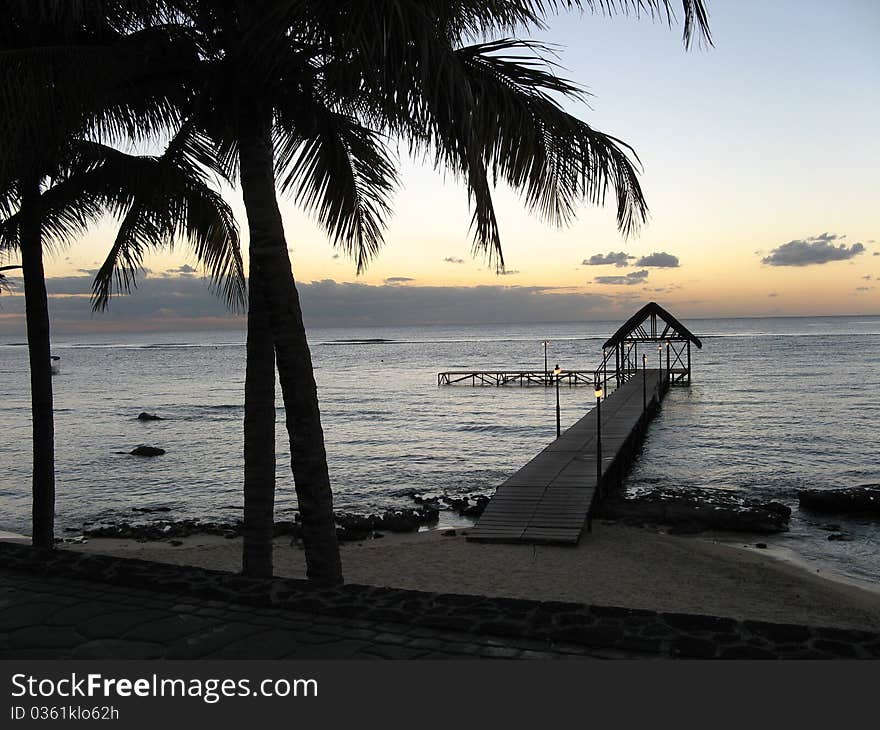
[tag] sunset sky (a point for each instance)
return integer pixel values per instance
(760, 162)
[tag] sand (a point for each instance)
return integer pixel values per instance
(615, 565)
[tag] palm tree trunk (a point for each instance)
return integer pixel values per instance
(271, 272)
(259, 438)
(37, 318)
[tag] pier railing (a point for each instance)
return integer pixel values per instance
(500, 378)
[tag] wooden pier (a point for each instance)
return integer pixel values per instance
(519, 377)
(553, 497)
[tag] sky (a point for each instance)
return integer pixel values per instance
(760, 160)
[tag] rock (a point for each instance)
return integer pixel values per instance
(448, 533)
(695, 510)
(144, 450)
(862, 500)
(283, 528)
(406, 520)
(761, 545)
(146, 510)
(840, 537)
(177, 543)
(830, 527)
(144, 416)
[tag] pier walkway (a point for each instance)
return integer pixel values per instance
(551, 498)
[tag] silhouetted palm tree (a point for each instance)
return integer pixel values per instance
(300, 95)
(66, 70)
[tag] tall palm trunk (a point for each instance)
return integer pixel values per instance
(259, 437)
(37, 317)
(271, 272)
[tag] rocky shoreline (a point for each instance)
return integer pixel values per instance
(349, 526)
(690, 511)
(680, 511)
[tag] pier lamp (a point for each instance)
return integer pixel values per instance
(557, 372)
(597, 391)
(668, 343)
(644, 383)
(546, 371)
(605, 368)
(659, 359)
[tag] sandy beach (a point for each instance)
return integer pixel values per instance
(614, 565)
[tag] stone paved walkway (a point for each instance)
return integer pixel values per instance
(64, 604)
(59, 618)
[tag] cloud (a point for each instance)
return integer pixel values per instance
(178, 303)
(453, 260)
(772, 294)
(868, 277)
(391, 280)
(864, 288)
(619, 259)
(814, 250)
(183, 269)
(634, 277)
(659, 259)
(507, 272)
(336, 256)
(88, 272)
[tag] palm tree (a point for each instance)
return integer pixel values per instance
(66, 71)
(301, 94)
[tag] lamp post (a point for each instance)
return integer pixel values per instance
(659, 360)
(644, 383)
(557, 372)
(597, 391)
(667, 361)
(546, 371)
(604, 369)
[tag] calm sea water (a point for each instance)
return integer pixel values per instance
(776, 405)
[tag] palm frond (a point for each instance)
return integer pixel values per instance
(531, 143)
(339, 170)
(160, 201)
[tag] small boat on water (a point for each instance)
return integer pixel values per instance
(55, 364)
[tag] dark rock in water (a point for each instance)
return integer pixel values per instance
(355, 527)
(282, 528)
(840, 537)
(144, 450)
(830, 527)
(761, 545)
(144, 416)
(860, 500)
(146, 510)
(176, 543)
(405, 520)
(695, 510)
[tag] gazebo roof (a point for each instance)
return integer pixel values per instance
(634, 328)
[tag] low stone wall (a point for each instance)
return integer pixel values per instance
(629, 631)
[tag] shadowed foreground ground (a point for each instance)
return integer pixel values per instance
(57, 604)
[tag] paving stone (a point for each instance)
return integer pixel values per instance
(31, 614)
(167, 629)
(42, 637)
(115, 624)
(118, 649)
(272, 644)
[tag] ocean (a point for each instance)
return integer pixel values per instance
(776, 405)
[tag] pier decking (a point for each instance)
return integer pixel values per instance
(550, 499)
